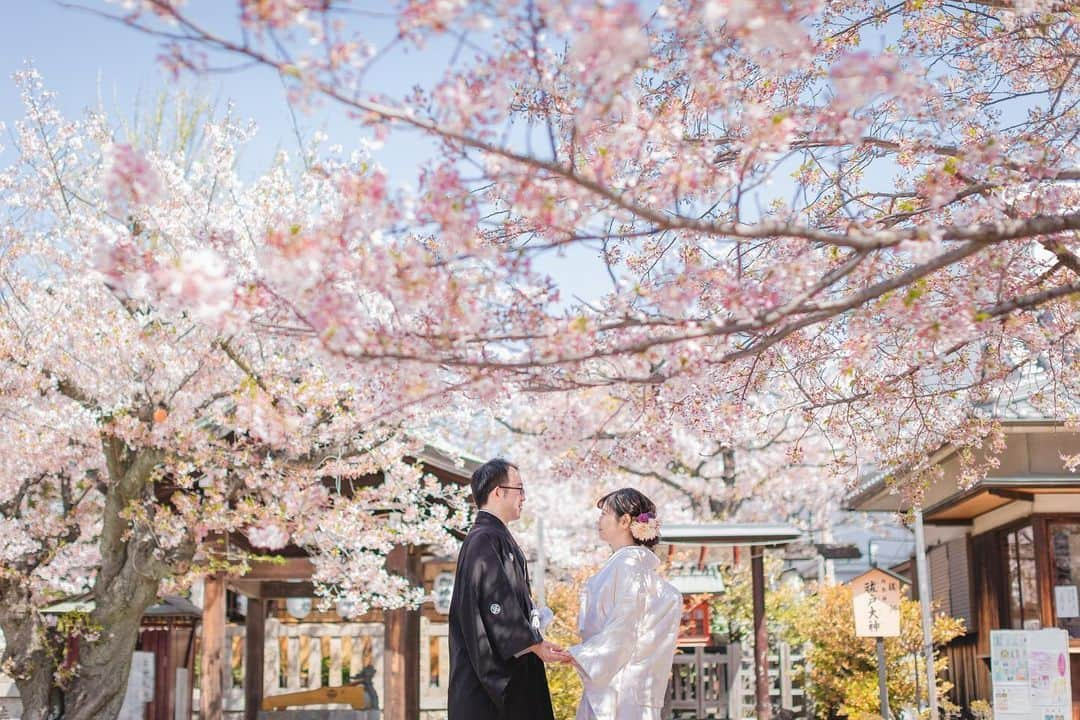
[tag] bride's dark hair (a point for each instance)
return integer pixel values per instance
(628, 501)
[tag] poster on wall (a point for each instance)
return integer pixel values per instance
(1066, 601)
(1030, 673)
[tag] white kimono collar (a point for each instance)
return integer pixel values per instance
(646, 556)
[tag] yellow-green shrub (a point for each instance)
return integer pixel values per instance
(563, 680)
(842, 676)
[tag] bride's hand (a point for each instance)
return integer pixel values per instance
(550, 652)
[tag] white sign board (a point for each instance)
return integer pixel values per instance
(877, 604)
(1030, 673)
(140, 688)
(180, 709)
(1066, 603)
(442, 591)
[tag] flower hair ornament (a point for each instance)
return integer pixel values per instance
(645, 527)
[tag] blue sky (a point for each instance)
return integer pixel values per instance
(91, 62)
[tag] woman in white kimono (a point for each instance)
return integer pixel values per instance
(629, 617)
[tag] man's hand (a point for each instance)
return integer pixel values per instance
(550, 652)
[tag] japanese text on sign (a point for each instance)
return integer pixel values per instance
(877, 604)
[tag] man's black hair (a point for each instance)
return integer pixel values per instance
(489, 476)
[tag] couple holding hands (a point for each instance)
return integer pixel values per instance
(629, 618)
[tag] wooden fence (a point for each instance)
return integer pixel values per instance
(719, 683)
(434, 669)
(303, 656)
(701, 682)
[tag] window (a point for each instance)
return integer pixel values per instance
(1065, 575)
(1023, 585)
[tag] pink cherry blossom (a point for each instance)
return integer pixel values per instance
(269, 536)
(152, 406)
(200, 281)
(131, 180)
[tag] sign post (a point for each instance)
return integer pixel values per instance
(877, 614)
(882, 679)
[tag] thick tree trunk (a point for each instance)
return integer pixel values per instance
(97, 691)
(131, 570)
(126, 584)
(34, 695)
(26, 658)
(104, 665)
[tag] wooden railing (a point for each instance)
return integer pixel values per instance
(701, 682)
(434, 668)
(719, 683)
(786, 691)
(303, 656)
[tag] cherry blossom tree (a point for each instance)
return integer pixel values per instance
(159, 421)
(573, 448)
(856, 212)
(850, 222)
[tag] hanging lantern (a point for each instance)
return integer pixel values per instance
(346, 608)
(299, 608)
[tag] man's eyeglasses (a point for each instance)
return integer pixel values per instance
(512, 487)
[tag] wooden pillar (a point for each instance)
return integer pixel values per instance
(254, 656)
(189, 665)
(402, 670)
(787, 700)
(212, 680)
(762, 708)
(1044, 570)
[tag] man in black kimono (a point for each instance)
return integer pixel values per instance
(497, 654)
